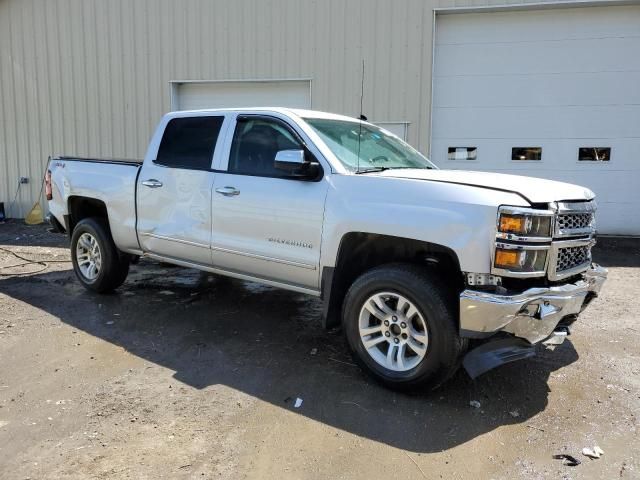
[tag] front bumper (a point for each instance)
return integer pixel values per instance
(532, 315)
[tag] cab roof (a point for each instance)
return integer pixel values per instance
(301, 113)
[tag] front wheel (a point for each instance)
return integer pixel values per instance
(401, 328)
(98, 264)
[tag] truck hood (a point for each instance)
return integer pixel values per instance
(534, 190)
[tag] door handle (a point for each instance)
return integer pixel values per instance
(152, 183)
(228, 191)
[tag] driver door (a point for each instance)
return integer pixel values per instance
(267, 223)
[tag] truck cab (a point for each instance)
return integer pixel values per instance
(228, 198)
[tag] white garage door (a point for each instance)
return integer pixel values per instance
(550, 93)
(196, 95)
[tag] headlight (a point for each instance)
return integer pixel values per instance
(524, 223)
(520, 259)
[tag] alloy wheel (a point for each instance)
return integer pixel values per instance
(393, 331)
(88, 256)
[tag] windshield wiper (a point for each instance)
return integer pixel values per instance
(370, 170)
(382, 169)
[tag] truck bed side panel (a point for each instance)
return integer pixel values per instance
(114, 183)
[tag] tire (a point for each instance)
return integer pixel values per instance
(427, 360)
(110, 265)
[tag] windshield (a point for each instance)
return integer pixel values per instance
(377, 149)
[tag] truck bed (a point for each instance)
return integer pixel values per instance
(109, 181)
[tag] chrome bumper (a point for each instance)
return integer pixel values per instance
(533, 314)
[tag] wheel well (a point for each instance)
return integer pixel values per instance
(360, 252)
(84, 207)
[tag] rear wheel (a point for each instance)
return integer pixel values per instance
(400, 326)
(98, 264)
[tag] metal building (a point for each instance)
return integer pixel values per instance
(550, 89)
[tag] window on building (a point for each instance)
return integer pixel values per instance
(399, 129)
(189, 142)
(255, 144)
(594, 154)
(526, 153)
(463, 153)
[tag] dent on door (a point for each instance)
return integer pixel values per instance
(175, 219)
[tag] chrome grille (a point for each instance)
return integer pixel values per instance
(572, 257)
(573, 221)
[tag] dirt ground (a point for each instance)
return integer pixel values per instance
(187, 375)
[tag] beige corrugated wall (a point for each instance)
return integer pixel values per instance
(91, 77)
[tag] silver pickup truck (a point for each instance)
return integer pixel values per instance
(423, 268)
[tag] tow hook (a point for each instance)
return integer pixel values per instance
(538, 310)
(545, 309)
(556, 338)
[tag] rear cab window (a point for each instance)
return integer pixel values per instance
(189, 142)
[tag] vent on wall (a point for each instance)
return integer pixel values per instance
(594, 154)
(526, 153)
(463, 153)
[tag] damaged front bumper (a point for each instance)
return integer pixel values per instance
(530, 317)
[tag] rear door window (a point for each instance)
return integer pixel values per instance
(189, 142)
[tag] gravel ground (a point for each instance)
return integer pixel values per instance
(187, 375)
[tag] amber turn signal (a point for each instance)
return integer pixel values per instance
(507, 258)
(513, 224)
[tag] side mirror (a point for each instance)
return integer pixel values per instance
(296, 163)
(290, 160)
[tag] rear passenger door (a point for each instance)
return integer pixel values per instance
(174, 190)
(266, 222)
